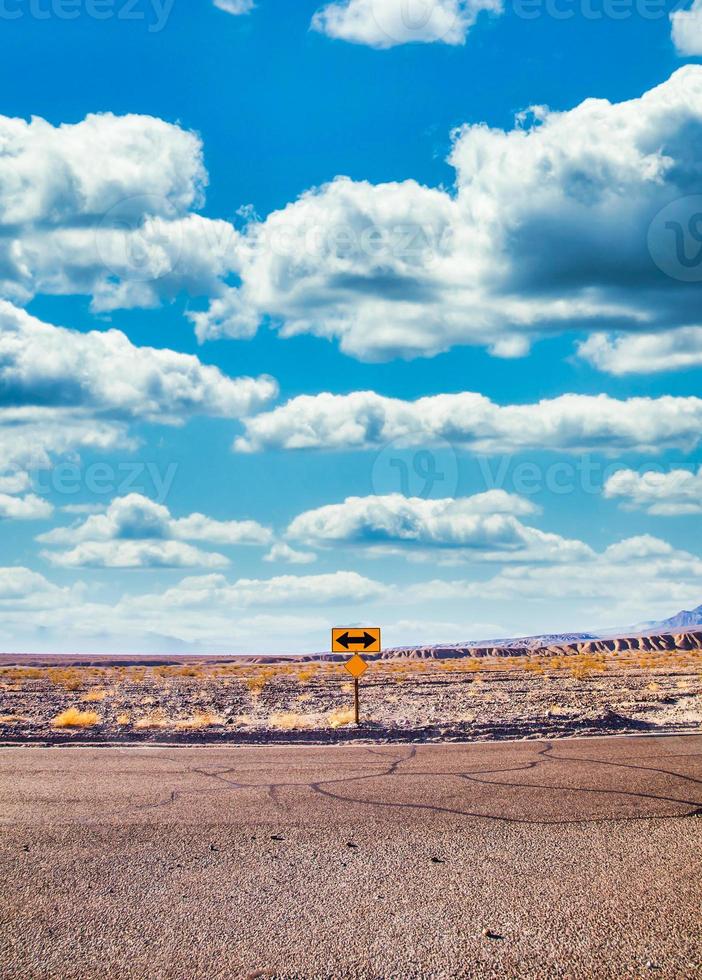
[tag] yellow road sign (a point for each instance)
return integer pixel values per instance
(356, 666)
(363, 640)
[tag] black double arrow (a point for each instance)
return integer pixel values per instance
(365, 640)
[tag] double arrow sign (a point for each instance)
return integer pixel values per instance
(346, 640)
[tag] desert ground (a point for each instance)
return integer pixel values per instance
(557, 692)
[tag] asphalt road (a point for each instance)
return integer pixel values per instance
(578, 858)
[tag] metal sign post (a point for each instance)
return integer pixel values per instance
(368, 640)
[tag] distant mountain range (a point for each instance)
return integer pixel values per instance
(687, 619)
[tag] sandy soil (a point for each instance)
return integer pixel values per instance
(469, 698)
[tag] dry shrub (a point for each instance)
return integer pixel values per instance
(255, 685)
(288, 720)
(198, 721)
(73, 718)
(122, 720)
(94, 696)
(68, 679)
(156, 720)
(306, 674)
(340, 717)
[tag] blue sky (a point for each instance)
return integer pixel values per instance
(302, 327)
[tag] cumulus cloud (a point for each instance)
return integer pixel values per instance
(571, 423)
(22, 589)
(137, 532)
(32, 436)
(386, 23)
(27, 508)
(621, 354)
(281, 552)
(63, 391)
(45, 365)
(106, 208)
(686, 30)
(629, 575)
(57, 173)
(671, 494)
(13, 505)
(284, 590)
(485, 526)
(236, 7)
(135, 554)
(557, 224)
(563, 222)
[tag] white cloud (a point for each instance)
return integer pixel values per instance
(135, 554)
(620, 354)
(634, 574)
(103, 371)
(197, 527)
(57, 173)
(283, 590)
(27, 508)
(236, 7)
(545, 230)
(137, 532)
(671, 494)
(13, 506)
(105, 208)
(686, 30)
(62, 391)
(22, 589)
(484, 526)
(281, 552)
(386, 23)
(570, 423)
(30, 436)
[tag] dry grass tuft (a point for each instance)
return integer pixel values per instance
(69, 679)
(255, 685)
(198, 721)
(94, 696)
(122, 720)
(340, 717)
(73, 718)
(289, 721)
(12, 719)
(156, 720)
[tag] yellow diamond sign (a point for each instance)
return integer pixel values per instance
(356, 666)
